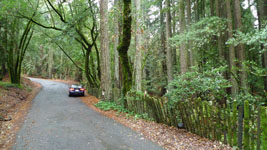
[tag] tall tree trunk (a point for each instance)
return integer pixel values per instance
(138, 48)
(105, 56)
(191, 52)
(17, 50)
(50, 62)
(203, 12)
(262, 16)
(124, 46)
(196, 7)
(162, 52)
(212, 7)
(183, 51)
(243, 76)
(116, 43)
(173, 21)
(163, 40)
(169, 57)
(3, 60)
(220, 49)
(173, 18)
(241, 47)
(61, 65)
(232, 57)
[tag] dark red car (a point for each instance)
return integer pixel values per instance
(76, 90)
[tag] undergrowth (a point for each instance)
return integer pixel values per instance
(9, 85)
(106, 106)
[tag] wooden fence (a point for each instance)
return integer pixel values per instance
(204, 118)
(221, 123)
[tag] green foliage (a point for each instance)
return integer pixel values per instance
(208, 85)
(7, 85)
(254, 38)
(134, 95)
(154, 62)
(202, 32)
(142, 116)
(106, 106)
(252, 99)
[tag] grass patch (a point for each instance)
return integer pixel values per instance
(7, 85)
(106, 106)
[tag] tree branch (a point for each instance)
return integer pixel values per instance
(39, 24)
(57, 12)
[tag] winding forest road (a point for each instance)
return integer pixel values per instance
(59, 122)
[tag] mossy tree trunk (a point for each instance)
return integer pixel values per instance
(123, 47)
(17, 50)
(3, 58)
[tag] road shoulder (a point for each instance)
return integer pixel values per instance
(14, 105)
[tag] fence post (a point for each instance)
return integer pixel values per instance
(246, 125)
(206, 107)
(229, 126)
(234, 123)
(258, 128)
(240, 125)
(252, 128)
(264, 127)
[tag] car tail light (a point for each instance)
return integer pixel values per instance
(71, 89)
(82, 89)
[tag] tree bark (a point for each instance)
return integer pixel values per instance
(169, 57)
(232, 57)
(220, 49)
(212, 7)
(105, 56)
(50, 62)
(262, 16)
(241, 47)
(183, 51)
(162, 51)
(191, 52)
(116, 43)
(124, 46)
(196, 7)
(243, 76)
(173, 25)
(138, 48)
(17, 50)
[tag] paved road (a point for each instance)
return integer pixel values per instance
(57, 122)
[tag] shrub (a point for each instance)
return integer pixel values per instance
(208, 85)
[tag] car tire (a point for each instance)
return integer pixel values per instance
(70, 95)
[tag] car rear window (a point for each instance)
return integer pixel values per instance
(76, 86)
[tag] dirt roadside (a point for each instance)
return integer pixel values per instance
(14, 106)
